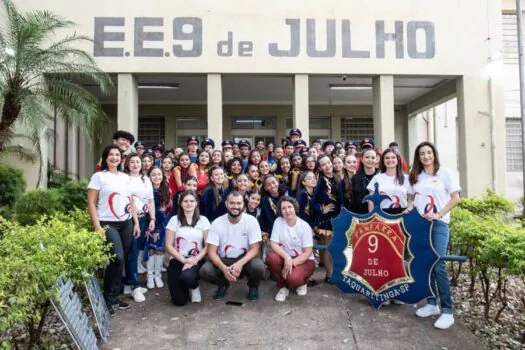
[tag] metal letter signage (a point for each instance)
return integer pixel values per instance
(383, 257)
(69, 308)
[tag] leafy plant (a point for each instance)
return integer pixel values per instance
(74, 195)
(32, 258)
(492, 204)
(34, 204)
(12, 185)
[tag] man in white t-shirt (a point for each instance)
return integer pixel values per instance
(234, 241)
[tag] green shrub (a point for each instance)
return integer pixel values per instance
(74, 195)
(12, 185)
(56, 178)
(492, 204)
(32, 258)
(36, 203)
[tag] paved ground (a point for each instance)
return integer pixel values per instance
(323, 319)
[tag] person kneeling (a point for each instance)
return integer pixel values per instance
(185, 234)
(234, 242)
(291, 263)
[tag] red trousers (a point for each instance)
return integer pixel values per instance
(297, 278)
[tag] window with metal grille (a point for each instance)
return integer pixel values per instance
(355, 129)
(510, 38)
(513, 144)
(314, 122)
(151, 130)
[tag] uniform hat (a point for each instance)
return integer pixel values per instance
(245, 143)
(350, 144)
(328, 143)
(158, 147)
(304, 151)
(207, 141)
(367, 143)
(139, 144)
(299, 143)
(296, 131)
(226, 143)
(125, 135)
(192, 139)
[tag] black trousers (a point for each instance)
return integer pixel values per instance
(119, 234)
(180, 282)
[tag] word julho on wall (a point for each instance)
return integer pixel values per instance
(187, 39)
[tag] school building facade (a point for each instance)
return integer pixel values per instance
(406, 70)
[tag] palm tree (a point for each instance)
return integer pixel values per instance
(38, 74)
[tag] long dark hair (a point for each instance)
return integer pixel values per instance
(417, 167)
(347, 178)
(216, 194)
(361, 170)
(303, 164)
(400, 177)
(230, 163)
(164, 188)
(105, 155)
(180, 211)
(303, 176)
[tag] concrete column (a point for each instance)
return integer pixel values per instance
(72, 145)
(383, 110)
(479, 136)
(227, 125)
(301, 104)
(401, 131)
(128, 104)
(335, 128)
(215, 108)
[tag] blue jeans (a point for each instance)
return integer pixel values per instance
(439, 278)
(132, 277)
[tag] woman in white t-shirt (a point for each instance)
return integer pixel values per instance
(142, 194)
(392, 182)
(109, 206)
(434, 191)
(186, 235)
(291, 263)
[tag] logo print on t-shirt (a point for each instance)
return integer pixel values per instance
(115, 203)
(396, 202)
(229, 246)
(431, 207)
(195, 250)
(177, 242)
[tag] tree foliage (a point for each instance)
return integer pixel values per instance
(41, 76)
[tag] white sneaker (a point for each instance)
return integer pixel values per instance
(282, 294)
(163, 269)
(127, 289)
(158, 282)
(196, 295)
(137, 295)
(444, 321)
(142, 290)
(151, 283)
(427, 310)
(302, 290)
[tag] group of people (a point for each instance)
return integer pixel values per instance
(219, 214)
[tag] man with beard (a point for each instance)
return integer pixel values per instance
(234, 241)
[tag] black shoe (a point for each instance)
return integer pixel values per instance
(221, 292)
(312, 283)
(121, 305)
(111, 311)
(253, 294)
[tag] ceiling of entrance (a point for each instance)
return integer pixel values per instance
(241, 89)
